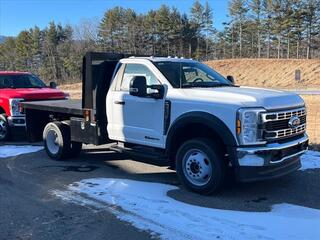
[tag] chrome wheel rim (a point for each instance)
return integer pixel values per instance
(3, 129)
(197, 167)
(52, 142)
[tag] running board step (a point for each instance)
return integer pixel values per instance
(141, 151)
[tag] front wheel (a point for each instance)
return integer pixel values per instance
(200, 165)
(4, 128)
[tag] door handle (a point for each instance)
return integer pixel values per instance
(120, 102)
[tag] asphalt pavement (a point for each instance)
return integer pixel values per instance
(29, 210)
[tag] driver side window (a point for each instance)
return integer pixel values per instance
(132, 70)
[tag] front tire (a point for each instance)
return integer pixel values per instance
(4, 128)
(200, 165)
(56, 137)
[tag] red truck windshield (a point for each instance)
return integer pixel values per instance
(20, 81)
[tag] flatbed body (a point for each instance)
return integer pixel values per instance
(87, 117)
(73, 107)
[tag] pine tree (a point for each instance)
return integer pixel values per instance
(256, 7)
(208, 24)
(238, 10)
(197, 20)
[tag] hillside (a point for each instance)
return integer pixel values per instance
(2, 38)
(271, 73)
(275, 73)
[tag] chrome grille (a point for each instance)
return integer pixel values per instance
(275, 125)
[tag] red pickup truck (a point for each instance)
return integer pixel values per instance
(20, 86)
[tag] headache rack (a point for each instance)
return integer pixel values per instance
(275, 125)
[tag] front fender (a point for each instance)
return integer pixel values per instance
(207, 119)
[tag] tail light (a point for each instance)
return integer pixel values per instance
(87, 114)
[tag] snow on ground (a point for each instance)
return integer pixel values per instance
(310, 160)
(146, 206)
(12, 150)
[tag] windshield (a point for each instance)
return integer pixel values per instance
(20, 81)
(191, 74)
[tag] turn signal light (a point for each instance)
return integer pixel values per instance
(86, 115)
(21, 109)
(238, 126)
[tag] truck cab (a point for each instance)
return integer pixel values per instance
(16, 87)
(185, 112)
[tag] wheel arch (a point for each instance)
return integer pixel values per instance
(2, 110)
(199, 124)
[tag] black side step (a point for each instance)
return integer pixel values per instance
(142, 152)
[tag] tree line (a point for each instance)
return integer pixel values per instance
(255, 29)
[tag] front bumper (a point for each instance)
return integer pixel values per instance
(17, 121)
(271, 160)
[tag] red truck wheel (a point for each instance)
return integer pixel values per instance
(4, 128)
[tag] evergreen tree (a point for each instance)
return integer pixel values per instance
(238, 10)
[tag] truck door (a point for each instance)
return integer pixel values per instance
(136, 119)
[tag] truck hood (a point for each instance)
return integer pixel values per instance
(34, 93)
(246, 97)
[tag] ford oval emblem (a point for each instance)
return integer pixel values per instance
(294, 122)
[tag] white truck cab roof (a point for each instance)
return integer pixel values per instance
(161, 59)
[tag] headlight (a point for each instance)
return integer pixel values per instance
(248, 131)
(14, 106)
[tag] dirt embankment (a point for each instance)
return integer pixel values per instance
(75, 90)
(271, 73)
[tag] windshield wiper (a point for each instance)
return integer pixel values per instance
(207, 85)
(222, 85)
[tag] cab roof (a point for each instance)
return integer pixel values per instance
(163, 59)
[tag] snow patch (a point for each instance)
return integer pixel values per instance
(146, 206)
(310, 160)
(12, 150)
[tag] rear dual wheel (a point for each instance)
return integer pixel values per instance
(57, 141)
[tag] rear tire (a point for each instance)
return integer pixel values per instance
(4, 128)
(200, 165)
(56, 137)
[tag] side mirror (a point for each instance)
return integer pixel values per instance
(155, 91)
(231, 79)
(52, 85)
(138, 86)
